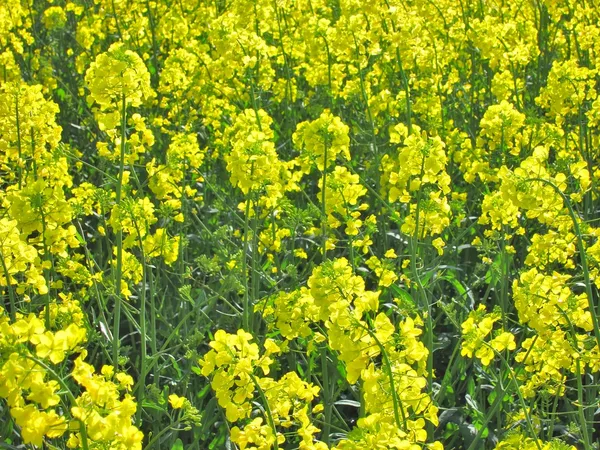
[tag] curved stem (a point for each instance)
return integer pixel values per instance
(267, 409)
(398, 408)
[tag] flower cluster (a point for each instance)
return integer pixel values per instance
(233, 364)
(33, 348)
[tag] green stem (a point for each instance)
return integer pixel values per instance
(143, 370)
(118, 276)
(246, 299)
(398, 408)
(323, 204)
(267, 409)
(11, 294)
(421, 294)
(46, 254)
(404, 78)
(580, 400)
(580, 412)
(158, 435)
(254, 279)
(328, 400)
(19, 149)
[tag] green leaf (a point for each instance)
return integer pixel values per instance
(404, 295)
(471, 387)
(471, 402)
(177, 445)
(217, 442)
(153, 405)
(203, 391)
(347, 402)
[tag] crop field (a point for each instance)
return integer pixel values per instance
(300, 224)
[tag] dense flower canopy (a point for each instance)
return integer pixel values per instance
(307, 224)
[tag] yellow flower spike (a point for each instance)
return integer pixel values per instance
(54, 18)
(252, 161)
(326, 136)
(115, 73)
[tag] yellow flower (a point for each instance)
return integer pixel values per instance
(52, 346)
(176, 401)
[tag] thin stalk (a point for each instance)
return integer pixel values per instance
(580, 401)
(19, 149)
(101, 304)
(492, 411)
(163, 349)
(328, 407)
(153, 339)
(496, 404)
(448, 379)
(184, 210)
(46, 278)
(267, 409)
(47, 254)
(374, 148)
(154, 43)
(580, 412)
(520, 395)
(114, 11)
(329, 79)
(246, 299)
(505, 280)
(158, 435)
(118, 275)
(421, 294)
(404, 79)
(254, 279)
(552, 415)
(11, 294)
(323, 203)
(398, 408)
(143, 370)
